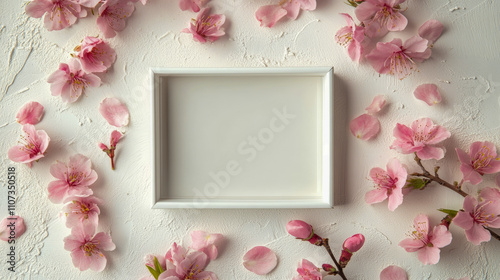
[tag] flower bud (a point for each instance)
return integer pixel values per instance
(300, 229)
(315, 240)
(329, 268)
(351, 245)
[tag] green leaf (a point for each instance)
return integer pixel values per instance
(451, 213)
(153, 272)
(418, 183)
(158, 266)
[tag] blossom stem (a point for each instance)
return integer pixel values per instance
(329, 250)
(112, 163)
(455, 188)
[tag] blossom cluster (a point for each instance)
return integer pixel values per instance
(60, 14)
(377, 18)
(81, 211)
(181, 263)
(33, 143)
(307, 270)
(92, 56)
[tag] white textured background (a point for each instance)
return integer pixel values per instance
(464, 65)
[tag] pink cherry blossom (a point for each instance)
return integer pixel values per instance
(73, 179)
(419, 138)
(32, 146)
(30, 113)
(308, 271)
(149, 260)
(425, 242)
(95, 55)
(365, 127)
(206, 243)
(191, 267)
(176, 254)
(393, 272)
(59, 14)
(206, 26)
(193, 5)
(110, 151)
(268, 15)
(475, 216)
(299, 229)
(377, 104)
(351, 36)
(70, 81)
(86, 248)
(12, 227)
(398, 59)
(490, 194)
(114, 111)
(428, 93)
(293, 7)
(87, 3)
(431, 30)
(388, 184)
(482, 159)
(112, 16)
(350, 246)
(82, 211)
(381, 15)
(260, 260)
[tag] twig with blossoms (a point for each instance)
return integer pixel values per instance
(307, 270)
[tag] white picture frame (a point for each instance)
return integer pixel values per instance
(189, 103)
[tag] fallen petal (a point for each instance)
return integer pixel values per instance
(9, 224)
(377, 104)
(31, 112)
(365, 127)
(393, 272)
(115, 112)
(269, 15)
(260, 260)
(431, 30)
(428, 93)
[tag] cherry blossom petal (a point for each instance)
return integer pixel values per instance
(11, 224)
(377, 104)
(430, 152)
(260, 260)
(31, 112)
(393, 272)
(431, 30)
(269, 15)
(477, 234)
(428, 255)
(38, 8)
(115, 112)
(365, 127)
(411, 245)
(375, 196)
(428, 93)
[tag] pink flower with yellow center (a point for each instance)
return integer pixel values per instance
(206, 27)
(427, 243)
(82, 211)
(32, 146)
(388, 184)
(59, 14)
(73, 179)
(482, 159)
(380, 16)
(86, 248)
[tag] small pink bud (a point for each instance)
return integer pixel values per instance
(351, 245)
(300, 229)
(328, 268)
(354, 243)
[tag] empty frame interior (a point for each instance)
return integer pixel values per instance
(238, 140)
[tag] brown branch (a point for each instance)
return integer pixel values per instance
(329, 250)
(455, 188)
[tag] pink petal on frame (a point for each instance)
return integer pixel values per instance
(393, 272)
(377, 104)
(260, 260)
(428, 93)
(31, 112)
(115, 112)
(365, 127)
